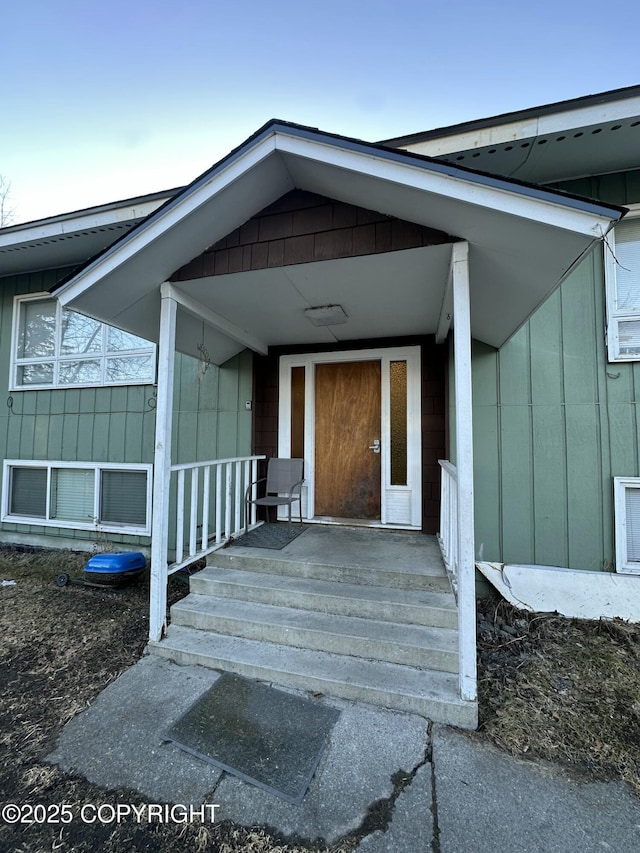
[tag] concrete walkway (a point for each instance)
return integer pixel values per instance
(392, 781)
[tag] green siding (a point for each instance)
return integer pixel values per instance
(558, 423)
(118, 424)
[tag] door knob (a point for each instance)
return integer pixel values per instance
(375, 446)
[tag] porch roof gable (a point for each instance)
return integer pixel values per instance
(523, 238)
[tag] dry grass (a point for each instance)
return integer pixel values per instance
(59, 649)
(563, 690)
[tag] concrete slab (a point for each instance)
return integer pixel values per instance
(470, 797)
(117, 742)
(411, 827)
(488, 801)
(368, 746)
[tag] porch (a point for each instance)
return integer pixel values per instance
(359, 613)
(311, 242)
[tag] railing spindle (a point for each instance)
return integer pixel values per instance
(231, 478)
(180, 518)
(193, 526)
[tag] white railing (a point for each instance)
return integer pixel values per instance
(208, 505)
(448, 535)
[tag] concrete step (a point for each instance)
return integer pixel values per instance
(411, 645)
(397, 574)
(431, 694)
(416, 607)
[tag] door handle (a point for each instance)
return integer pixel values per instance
(375, 446)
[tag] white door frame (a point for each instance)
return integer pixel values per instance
(401, 506)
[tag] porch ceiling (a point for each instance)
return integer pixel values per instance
(522, 242)
(383, 295)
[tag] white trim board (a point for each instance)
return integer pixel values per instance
(575, 593)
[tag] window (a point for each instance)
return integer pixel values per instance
(57, 348)
(78, 495)
(626, 494)
(623, 289)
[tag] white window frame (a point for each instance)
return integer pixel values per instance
(615, 316)
(620, 487)
(96, 525)
(58, 359)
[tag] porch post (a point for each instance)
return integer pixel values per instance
(162, 464)
(464, 465)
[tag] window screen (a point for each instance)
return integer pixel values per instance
(632, 506)
(29, 492)
(123, 497)
(623, 292)
(627, 236)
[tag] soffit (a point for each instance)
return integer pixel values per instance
(595, 135)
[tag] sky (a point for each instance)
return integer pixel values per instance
(106, 101)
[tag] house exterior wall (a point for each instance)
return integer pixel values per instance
(554, 422)
(115, 424)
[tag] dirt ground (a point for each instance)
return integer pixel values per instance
(565, 690)
(551, 688)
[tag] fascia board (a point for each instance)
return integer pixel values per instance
(530, 203)
(165, 219)
(435, 144)
(46, 230)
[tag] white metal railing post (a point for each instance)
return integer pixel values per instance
(193, 521)
(180, 517)
(227, 496)
(238, 483)
(162, 464)
(246, 480)
(206, 486)
(254, 490)
(444, 508)
(448, 537)
(218, 504)
(465, 552)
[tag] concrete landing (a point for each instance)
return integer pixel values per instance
(396, 551)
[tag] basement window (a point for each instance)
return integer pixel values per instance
(53, 347)
(622, 275)
(78, 495)
(626, 493)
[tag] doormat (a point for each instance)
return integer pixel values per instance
(262, 735)
(273, 536)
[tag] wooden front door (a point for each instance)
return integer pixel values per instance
(347, 423)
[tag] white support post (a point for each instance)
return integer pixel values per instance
(464, 465)
(162, 464)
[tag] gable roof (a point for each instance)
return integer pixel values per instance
(523, 238)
